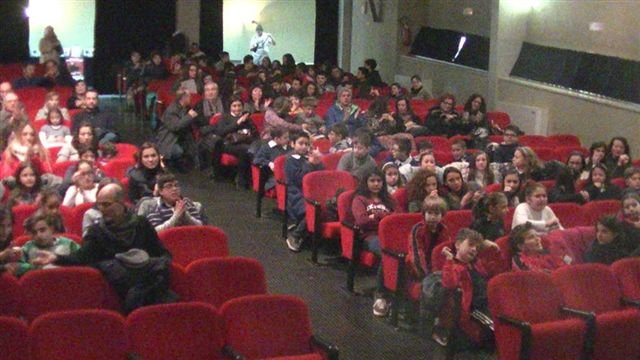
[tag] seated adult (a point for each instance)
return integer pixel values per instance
(76, 100)
(12, 116)
(379, 119)
(121, 232)
(24, 146)
(102, 121)
(93, 216)
(343, 111)
(5, 88)
(142, 176)
(29, 78)
(275, 117)
(191, 80)
(238, 132)
(56, 74)
(175, 138)
(443, 120)
(210, 105)
(170, 209)
(417, 91)
(83, 136)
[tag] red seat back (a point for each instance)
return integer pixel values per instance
(14, 339)
(63, 288)
(402, 199)
(126, 151)
(281, 181)
(117, 168)
(218, 280)
(23, 239)
(258, 121)
(394, 231)
(347, 236)
(60, 168)
(10, 300)
(189, 243)
(19, 214)
(79, 334)
(321, 186)
(330, 161)
(265, 326)
(501, 119)
(628, 273)
(564, 140)
(570, 214)
(176, 331)
(589, 287)
(572, 242)
(323, 145)
(73, 219)
(596, 209)
(455, 220)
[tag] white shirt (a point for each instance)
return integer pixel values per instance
(524, 213)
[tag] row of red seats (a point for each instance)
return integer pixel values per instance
(582, 311)
(258, 326)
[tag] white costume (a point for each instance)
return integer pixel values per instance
(259, 46)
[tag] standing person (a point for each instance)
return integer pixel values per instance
(49, 46)
(175, 138)
(260, 43)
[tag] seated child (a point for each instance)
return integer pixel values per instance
(267, 154)
(459, 151)
(358, 161)
(54, 133)
(108, 151)
(301, 162)
(49, 204)
(456, 193)
(528, 251)
(426, 161)
(425, 235)
(512, 187)
(401, 152)
(503, 153)
(338, 137)
(8, 254)
(488, 215)
(631, 221)
(84, 188)
(392, 177)
(311, 123)
(611, 243)
(171, 209)
(632, 180)
(40, 227)
(599, 186)
(536, 211)
(423, 185)
(463, 269)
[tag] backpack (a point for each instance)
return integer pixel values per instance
(432, 295)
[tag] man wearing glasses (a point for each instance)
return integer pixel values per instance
(122, 231)
(170, 208)
(503, 153)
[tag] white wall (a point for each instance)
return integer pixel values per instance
(291, 22)
(377, 40)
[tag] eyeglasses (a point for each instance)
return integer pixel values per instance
(448, 103)
(510, 134)
(173, 185)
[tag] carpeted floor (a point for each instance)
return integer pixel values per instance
(337, 316)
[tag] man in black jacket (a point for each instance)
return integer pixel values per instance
(121, 232)
(103, 122)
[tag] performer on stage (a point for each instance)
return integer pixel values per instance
(260, 43)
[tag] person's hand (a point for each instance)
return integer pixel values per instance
(433, 194)
(180, 207)
(306, 127)
(623, 160)
(44, 258)
(596, 158)
(243, 118)
(322, 129)
(272, 165)
(477, 195)
(552, 222)
(268, 102)
(12, 254)
(447, 253)
(466, 199)
(507, 189)
(372, 216)
(12, 268)
(192, 113)
(585, 195)
(488, 244)
(75, 179)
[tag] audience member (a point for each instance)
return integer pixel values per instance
(54, 133)
(417, 90)
(267, 154)
(404, 114)
(84, 188)
(488, 215)
(277, 115)
(338, 136)
(618, 156)
(49, 204)
(28, 185)
(392, 177)
(611, 243)
(190, 80)
(170, 209)
(503, 152)
(301, 162)
(24, 146)
(103, 122)
(536, 211)
(76, 100)
(29, 78)
(84, 135)
(142, 177)
(422, 186)
(632, 180)
(358, 162)
(528, 252)
(474, 116)
(512, 187)
(343, 111)
(599, 186)
(175, 138)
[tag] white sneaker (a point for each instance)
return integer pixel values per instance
(381, 307)
(293, 243)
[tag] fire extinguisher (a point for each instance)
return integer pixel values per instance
(405, 31)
